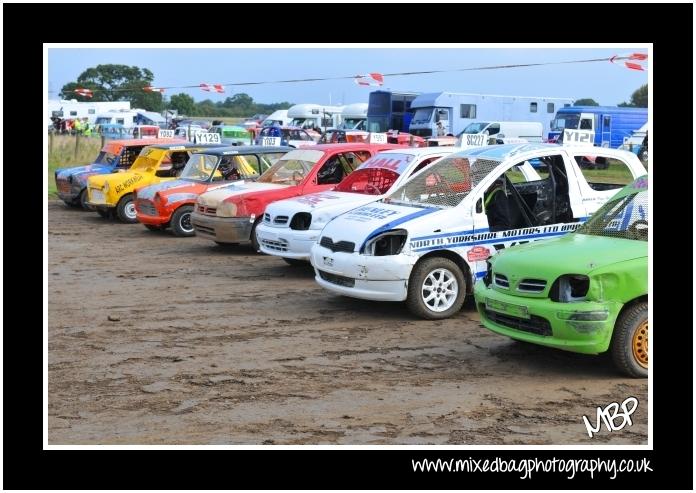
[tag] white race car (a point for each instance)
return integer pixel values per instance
(290, 227)
(427, 242)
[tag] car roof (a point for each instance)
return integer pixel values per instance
(422, 151)
(347, 146)
(500, 152)
(219, 151)
(186, 145)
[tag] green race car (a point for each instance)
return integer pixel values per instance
(585, 292)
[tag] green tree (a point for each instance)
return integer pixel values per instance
(116, 83)
(639, 98)
(586, 102)
(183, 103)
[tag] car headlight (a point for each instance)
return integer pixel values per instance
(488, 277)
(570, 287)
(227, 209)
(387, 243)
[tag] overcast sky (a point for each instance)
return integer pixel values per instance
(608, 83)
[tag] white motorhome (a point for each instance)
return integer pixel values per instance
(315, 116)
(71, 109)
(278, 117)
(447, 113)
(130, 118)
(354, 117)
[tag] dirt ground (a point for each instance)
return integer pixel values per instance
(161, 340)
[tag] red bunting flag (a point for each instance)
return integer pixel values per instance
(372, 79)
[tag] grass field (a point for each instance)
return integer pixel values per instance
(62, 154)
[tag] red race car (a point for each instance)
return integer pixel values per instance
(230, 214)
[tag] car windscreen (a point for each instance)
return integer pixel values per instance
(369, 181)
(293, 168)
(443, 184)
(199, 167)
(105, 158)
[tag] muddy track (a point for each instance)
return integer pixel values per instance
(161, 340)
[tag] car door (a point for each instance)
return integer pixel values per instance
(334, 168)
(521, 204)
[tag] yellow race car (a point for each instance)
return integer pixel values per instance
(114, 192)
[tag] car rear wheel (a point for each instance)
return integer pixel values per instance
(436, 289)
(629, 342)
(125, 210)
(181, 221)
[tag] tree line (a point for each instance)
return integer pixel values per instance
(123, 83)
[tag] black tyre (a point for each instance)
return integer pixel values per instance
(254, 241)
(629, 342)
(82, 201)
(436, 289)
(295, 262)
(181, 221)
(154, 227)
(125, 210)
(104, 212)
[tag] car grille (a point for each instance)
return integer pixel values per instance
(63, 186)
(348, 282)
(280, 220)
(532, 285)
(533, 325)
(276, 246)
(146, 207)
(339, 246)
(208, 211)
(501, 281)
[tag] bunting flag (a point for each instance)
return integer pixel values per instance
(87, 93)
(212, 87)
(631, 60)
(153, 89)
(371, 79)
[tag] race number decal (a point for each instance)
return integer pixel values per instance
(576, 138)
(270, 141)
(207, 138)
(377, 138)
(165, 134)
(473, 140)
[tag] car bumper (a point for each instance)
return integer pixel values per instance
(285, 242)
(362, 276)
(549, 323)
(222, 229)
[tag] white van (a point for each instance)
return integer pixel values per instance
(278, 117)
(482, 133)
(315, 116)
(354, 117)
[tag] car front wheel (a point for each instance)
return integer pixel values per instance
(125, 210)
(181, 221)
(436, 289)
(629, 342)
